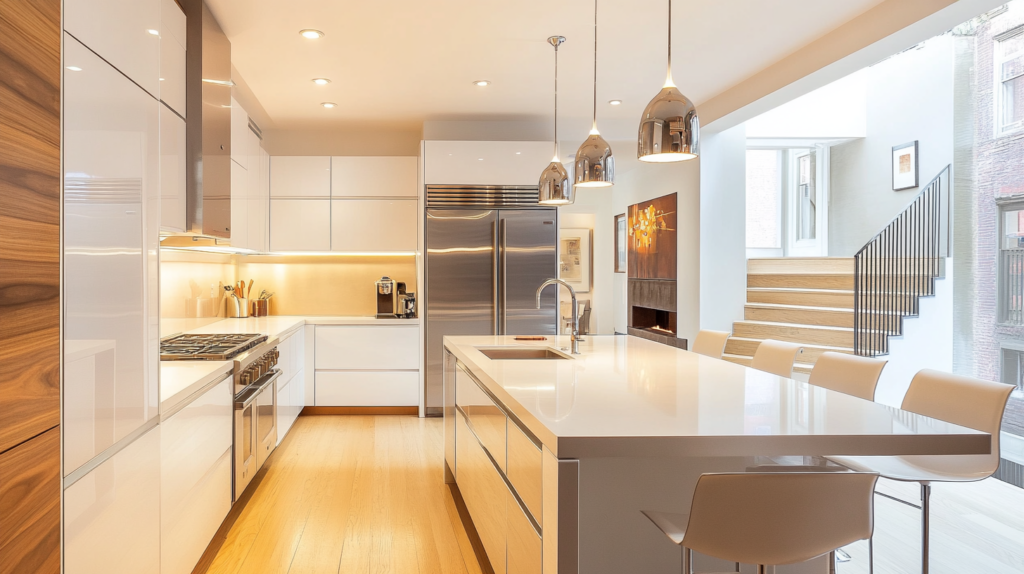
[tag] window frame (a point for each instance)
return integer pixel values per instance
(1003, 205)
(999, 58)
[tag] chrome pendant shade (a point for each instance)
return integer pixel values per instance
(595, 165)
(554, 185)
(669, 129)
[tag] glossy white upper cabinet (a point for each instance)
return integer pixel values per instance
(112, 514)
(300, 176)
(172, 56)
(239, 134)
(259, 202)
(300, 224)
(374, 224)
(125, 33)
(111, 232)
(353, 176)
(172, 170)
(239, 206)
(485, 163)
(195, 470)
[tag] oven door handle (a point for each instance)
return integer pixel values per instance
(246, 397)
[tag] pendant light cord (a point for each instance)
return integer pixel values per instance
(594, 129)
(556, 99)
(668, 78)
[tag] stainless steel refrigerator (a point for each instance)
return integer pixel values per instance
(487, 253)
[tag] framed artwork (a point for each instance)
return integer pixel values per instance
(620, 243)
(652, 239)
(574, 258)
(904, 166)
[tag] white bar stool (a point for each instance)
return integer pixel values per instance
(849, 374)
(771, 518)
(776, 357)
(711, 343)
(960, 400)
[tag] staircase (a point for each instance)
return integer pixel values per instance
(806, 300)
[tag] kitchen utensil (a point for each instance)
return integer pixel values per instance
(248, 292)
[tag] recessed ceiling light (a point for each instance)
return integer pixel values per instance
(311, 34)
(329, 105)
(482, 83)
(614, 102)
(321, 81)
(74, 68)
(519, 153)
(479, 159)
(161, 79)
(154, 32)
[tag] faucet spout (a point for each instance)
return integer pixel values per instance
(575, 311)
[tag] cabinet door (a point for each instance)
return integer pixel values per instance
(365, 176)
(172, 55)
(112, 514)
(284, 407)
(239, 134)
(485, 494)
(374, 225)
(387, 348)
(367, 388)
(300, 225)
(30, 506)
(125, 33)
(195, 470)
(239, 206)
(257, 207)
(300, 176)
(484, 163)
(172, 171)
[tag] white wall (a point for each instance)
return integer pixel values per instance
(837, 110)
(723, 260)
(909, 97)
(593, 210)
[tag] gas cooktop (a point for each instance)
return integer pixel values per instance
(207, 347)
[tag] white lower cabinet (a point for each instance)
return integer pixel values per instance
(112, 514)
(383, 348)
(195, 469)
(368, 388)
(291, 397)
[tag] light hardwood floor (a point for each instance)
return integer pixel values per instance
(348, 494)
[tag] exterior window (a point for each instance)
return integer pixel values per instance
(1013, 369)
(1009, 70)
(1011, 265)
(764, 199)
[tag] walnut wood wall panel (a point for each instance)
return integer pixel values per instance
(30, 486)
(30, 179)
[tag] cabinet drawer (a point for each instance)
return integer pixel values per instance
(523, 543)
(374, 224)
(389, 348)
(485, 494)
(524, 468)
(485, 418)
(367, 389)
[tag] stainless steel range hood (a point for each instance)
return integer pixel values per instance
(208, 88)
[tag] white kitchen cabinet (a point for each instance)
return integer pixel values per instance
(292, 351)
(367, 388)
(485, 163)
(111, 146)
(258, 204)
(239, 134)
(300, 224)
(308, 364)
(300, 176)
(112, 514)
(239, 206)
(389, 348)
(369, 176)
(172, 170)
(125, 33)
(374, 224)
(195, 470)
(172, 56)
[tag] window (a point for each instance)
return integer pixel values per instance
(806, 195)
(1009, 69)
(764, 199)
(1011, 264)
(1012, 369)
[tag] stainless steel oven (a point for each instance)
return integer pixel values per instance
(255, 433)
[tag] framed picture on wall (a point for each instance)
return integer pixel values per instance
(620, 243)
(904, 166)
(574, 258)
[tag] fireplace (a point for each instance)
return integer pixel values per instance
(652, 311)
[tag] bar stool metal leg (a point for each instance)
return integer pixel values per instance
(687, 560)
(832, 562)
(926, 494)
(871, 554)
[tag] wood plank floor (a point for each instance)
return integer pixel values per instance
(347, 494)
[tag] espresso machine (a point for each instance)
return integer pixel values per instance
(392, 300)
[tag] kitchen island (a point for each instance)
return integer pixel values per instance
(575, 446)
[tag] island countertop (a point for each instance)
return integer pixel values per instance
(625, 396)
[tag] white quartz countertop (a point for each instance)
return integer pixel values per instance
(625, 396)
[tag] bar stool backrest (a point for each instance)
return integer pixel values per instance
(776, 357)
(779, 518)
(710, 343)
(850, 374)
(965, 401)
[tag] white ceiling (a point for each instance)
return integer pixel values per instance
(399, 63)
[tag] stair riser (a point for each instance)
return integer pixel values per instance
(805, 335)
(800, 316)
(800, 281)
(748, 348)
(838, 299)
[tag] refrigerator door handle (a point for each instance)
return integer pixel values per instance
(503, 232)
(494, 278)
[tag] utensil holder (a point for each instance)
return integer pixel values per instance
(243, 307)
(232, 308)
(260, 308)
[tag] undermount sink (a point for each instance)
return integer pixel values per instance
(520, 353)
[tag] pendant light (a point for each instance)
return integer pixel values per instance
(595, 166)
(669, 128)
(554, 184)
